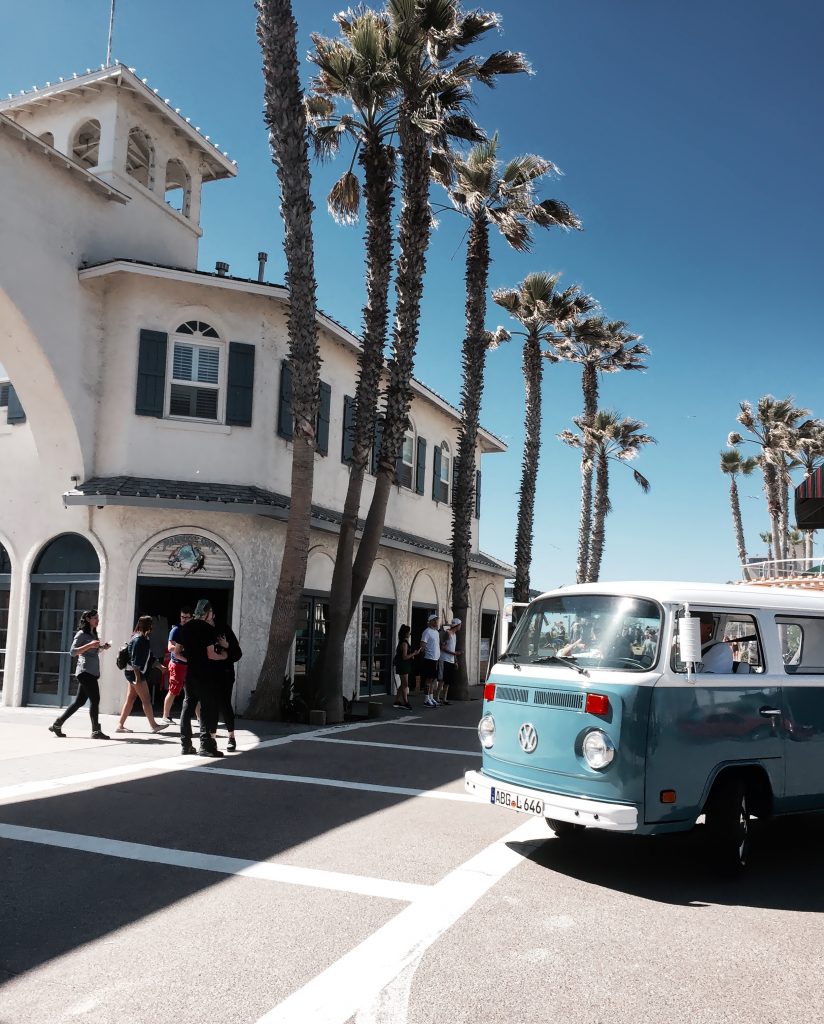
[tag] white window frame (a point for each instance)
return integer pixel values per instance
(412, 434)
(446, 461)
(197, 340)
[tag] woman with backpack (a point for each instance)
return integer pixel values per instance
(140, 661)
(86, 647)
(403, 666)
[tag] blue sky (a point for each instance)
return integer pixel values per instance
(690, 140)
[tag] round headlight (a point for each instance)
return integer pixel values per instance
(486, 731)
(598, 749)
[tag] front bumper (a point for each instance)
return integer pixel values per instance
(574, 809)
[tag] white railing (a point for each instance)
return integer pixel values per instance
(798, 571)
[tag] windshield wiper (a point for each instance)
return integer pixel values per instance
(510, 657)
(562, 661)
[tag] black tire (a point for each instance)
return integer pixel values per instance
(729, 824)
(564, 829)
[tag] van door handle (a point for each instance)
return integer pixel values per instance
(766, 712)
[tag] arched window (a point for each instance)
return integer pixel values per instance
(405, 469)
(442, 473)
(86, 144)
(48, 138)
(140, 157)
(67, 554)
(196, 372)
(178, 187)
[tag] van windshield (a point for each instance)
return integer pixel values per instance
(593, 630)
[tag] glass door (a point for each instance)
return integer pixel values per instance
(376, 649)
(57, 608)
(310, 634)
(4, 629)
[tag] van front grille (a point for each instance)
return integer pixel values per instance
(558, 699)
(512, 693)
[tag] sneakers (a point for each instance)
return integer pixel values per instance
(122, 728)
(407, 706)
(168, 721)
(210, 752)
(57, 731)
(98, 734)
(189, 749)
(231, 745)
(446, 702)
(398, 704)
(430, 702)
(160, 727)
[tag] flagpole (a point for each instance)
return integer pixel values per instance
(111, 30)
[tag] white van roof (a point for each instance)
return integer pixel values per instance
(730, 595)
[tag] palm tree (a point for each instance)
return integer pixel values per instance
(773, 424)
(732, 464)
(810, 454)
(767, 537)
(488, 194)
(286, 121)
(598, 346)
(541, 308)
(435, 80)
(613, 440)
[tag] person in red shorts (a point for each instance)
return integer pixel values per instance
(177, 667)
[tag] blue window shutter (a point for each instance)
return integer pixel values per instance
(151, 373)
(285, 421)
(241, 384)
(323, 418)
(436, 473)
(420, 466)
(15, 412)
(347, 448)
(376, 445)
(477, 494)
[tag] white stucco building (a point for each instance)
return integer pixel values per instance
(144, 413)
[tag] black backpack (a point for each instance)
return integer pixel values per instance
(123, 658)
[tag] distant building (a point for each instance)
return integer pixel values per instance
(145, 421)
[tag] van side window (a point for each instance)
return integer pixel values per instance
(801, 641)
(738, 631)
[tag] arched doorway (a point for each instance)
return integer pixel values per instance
(5, 592)
(377, 632)
(65, 580)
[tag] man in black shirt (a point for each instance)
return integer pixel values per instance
(196, 642)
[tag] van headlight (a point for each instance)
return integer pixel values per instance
(598, 749)
(486, 731)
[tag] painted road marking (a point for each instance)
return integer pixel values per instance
(432, 725)
(368, 787)
(18, 791)
(357, 980)
(394, 746)
(285, 874)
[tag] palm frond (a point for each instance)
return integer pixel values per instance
(344, 199)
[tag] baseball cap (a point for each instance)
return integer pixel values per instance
(455, 622)
(432, 617)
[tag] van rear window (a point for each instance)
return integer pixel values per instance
(801, 641)
(594, 630)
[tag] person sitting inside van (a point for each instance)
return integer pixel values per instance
(716, 656)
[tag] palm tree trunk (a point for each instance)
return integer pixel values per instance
(378, 165)
(533, 366)
(784, 491)
(413, 241)
(735, 505)
(286, 121)
(773, 504)
(600, 517)
(473, 360)
(589, 383)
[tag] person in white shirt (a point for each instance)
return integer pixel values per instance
(716, 656)
(431, 644)
(448, 659)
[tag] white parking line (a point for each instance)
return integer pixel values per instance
(357, 980)
(368, 787)
(285, 874)
(432, 725)
(394, 746)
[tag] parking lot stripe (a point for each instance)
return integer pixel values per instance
(432, 725)
(310, 780)
(394, 746)
(282, 873)
(358, 978)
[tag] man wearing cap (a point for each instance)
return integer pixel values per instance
(431, 643)
(448, 658)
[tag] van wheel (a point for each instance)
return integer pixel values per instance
(564, 829)
(729, 825)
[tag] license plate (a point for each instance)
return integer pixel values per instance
(516, 802)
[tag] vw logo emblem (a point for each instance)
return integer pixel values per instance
(528, 737)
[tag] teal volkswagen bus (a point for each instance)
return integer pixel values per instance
(608, 711)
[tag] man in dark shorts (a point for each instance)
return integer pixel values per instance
(195, 640)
